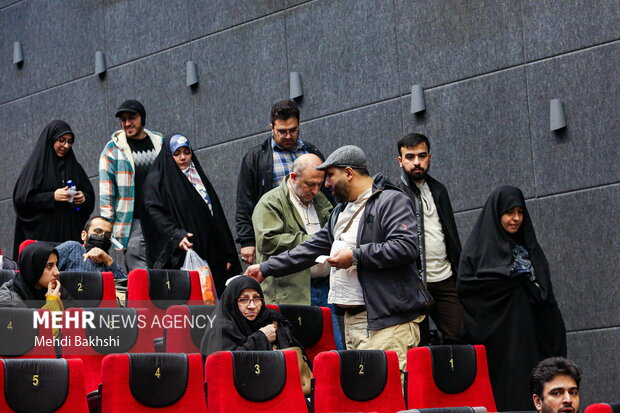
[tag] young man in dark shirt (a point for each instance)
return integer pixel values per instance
(123, 165)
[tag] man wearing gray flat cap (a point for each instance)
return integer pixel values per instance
(370, 241)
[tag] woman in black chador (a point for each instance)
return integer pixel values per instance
(46, 210)
(505, 287)
(243, 322)
(182, 211)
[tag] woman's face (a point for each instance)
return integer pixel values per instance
(183, 157)
(50, 272)
(62, 145)
(249, 302)
(512, 219)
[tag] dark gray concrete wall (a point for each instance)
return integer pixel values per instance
(489, 69)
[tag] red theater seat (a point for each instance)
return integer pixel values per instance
(603, 408)
(37, 385)
(159, 289)
(357, 380)
(449, 376)
(128, 338)
(186, 338)
(24, 244)
(20, 339)
(90, 289)
(153, 383)
(254, 381)
(312, 327)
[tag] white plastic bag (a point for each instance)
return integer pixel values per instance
(193, 262)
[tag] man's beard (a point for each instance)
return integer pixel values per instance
(416, 174)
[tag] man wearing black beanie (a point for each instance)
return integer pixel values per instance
(123, 165)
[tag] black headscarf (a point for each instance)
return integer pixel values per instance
(518, 322)
(488, 251)
(39, 216)
(32, 262)
(231, 330)
(173, 208)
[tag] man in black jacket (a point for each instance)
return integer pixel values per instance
(264, 166)
(371, 240)
(440, 247)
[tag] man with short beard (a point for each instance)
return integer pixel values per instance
(371, 241)
(93, 254)
(440, 247)
(124, 164)
(554, 383)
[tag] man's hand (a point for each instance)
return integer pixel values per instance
(98, 256)
(342, 260)
(248, 254)
(61, 195)
(255, 272)
(185, 245)
(79, 198)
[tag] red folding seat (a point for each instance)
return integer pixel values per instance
(603, 408)
(90, 289)
(312, 327)
(449, 376)
(357, 380)
(117, 330)
(20, 338)
(189, 325)
(157, 382)
(159, 289)
(37, 385)
(24, 244)
(254, 381)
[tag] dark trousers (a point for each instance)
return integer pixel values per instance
(447, 313)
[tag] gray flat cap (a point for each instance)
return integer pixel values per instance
(349, 155)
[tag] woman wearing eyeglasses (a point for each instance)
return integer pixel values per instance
(45, 207)
(243, 322)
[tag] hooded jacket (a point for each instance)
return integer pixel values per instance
(387, 252)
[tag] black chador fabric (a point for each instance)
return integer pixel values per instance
(173, 208)
(32, 263)
(518, 321)
(39, 216)
(231, 330)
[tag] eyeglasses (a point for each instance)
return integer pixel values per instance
(284, 132)
(64, 141)
(99, 231)
(246, 300)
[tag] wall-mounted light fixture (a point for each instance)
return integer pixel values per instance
(191, 74)
(557, 118)
(18, 53)
(418, 104)
(296, 89)
(100, 65)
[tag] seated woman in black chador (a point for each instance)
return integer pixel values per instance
(182, 211)
(505, 287)
(243, 322)
(36, 285)
(46, 210)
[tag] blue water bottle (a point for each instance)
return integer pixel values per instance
(73, 191)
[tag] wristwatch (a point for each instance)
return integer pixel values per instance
(353, 258)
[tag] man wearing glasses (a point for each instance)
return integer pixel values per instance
(93, 254)
(264, 167)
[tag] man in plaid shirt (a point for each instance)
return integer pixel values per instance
(264, 166)
(123, 165)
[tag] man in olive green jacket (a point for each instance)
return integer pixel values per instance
(285, 217)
